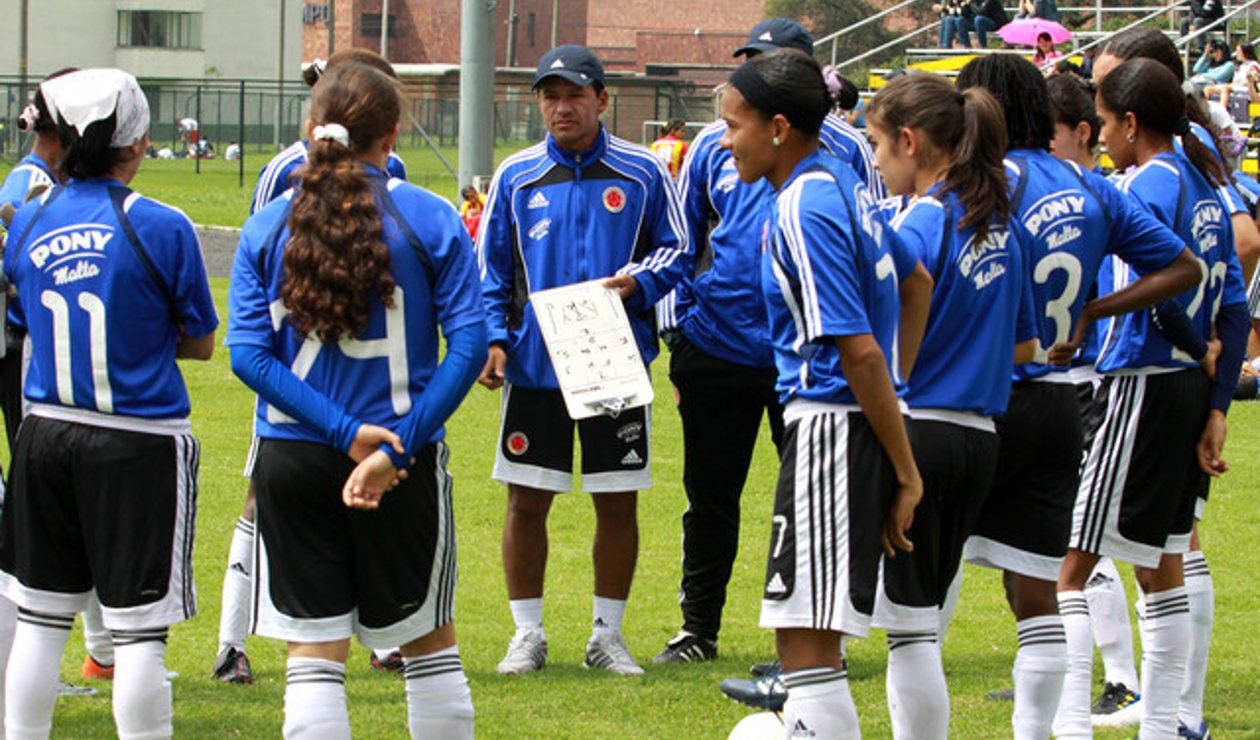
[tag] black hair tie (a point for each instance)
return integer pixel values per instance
(1182, 126)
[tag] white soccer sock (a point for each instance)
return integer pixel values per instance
(607, 614)
(8, 624)
(30, 686)
(918, 699)
(142, 695)
(439, 704)
(100, 645)
(1109, 620)
(819, 705)
(315, 700)
(1072, 720)
(1202, 598)
(1166, 643)
(527, 613)
(1139, 608)
(946, 614)
(1039, 667)
(237, 587)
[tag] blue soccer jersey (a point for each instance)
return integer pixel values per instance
(1075, 218)
(720, 309)
(107, 283)
(982, 305)
(831, 269)
(30, 172)
(277, 175)
(376, 376)
(1173, 191)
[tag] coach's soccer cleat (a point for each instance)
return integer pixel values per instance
(391, 662)
(526, 652)
(1117, 706)
(608, 650)
(93, 669)
(766, 692)
(1202, 734)
(687, 648)
(232, 666)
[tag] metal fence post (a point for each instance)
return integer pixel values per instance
(240, 139)
(197, 144)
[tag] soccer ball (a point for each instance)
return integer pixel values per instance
(759, 726)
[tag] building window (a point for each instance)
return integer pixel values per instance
(159, 28)
(370, 25)
(530, 27)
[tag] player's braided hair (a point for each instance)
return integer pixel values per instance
(336, 261)
(968, 126)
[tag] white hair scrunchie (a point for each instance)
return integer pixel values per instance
(333, 132)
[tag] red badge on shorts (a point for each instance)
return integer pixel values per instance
(614, 199)
(517, 443)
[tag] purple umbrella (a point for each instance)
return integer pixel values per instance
(1024, 31)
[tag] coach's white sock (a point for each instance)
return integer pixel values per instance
(30, 685)
(527, 613)
(1072, 720)
(1166, 643)
(1039, 667)
(439, 704)
(918, 699)
(100, 645)
(237, 587)
(8, 624)
(607, 614)
(819, 705)
(142, 695)
(1109, 621)
(1202, 598)
(946, 614)
(315, 700)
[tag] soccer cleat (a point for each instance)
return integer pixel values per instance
(69, 689)
(390, 663)
(232, 666)
(687, 648)
(1001, 695)
(526, 652)
(1202, 734)
(761, 669)
(1117, 706)
(93, 669)
(609, 651)
(766, 692)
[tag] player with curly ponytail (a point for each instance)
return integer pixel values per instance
(337, 295)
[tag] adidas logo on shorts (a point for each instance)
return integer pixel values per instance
(632, 458)
(800, 730)
(776, 585)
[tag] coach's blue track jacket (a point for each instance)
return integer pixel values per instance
(555, 218)
(720, 308)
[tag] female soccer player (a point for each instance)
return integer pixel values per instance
(232, 665)
(945, 149)
(111, 290)
(1164, 426)
(831, 288)
(336, 296)
(1075, 218)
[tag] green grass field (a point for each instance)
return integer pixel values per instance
(564, 700)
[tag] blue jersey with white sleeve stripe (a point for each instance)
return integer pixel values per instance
(107, 283)
(30, 172)
(831, 268)
(982, 305)
(277, 175)
(376, 375)
(1172, 190)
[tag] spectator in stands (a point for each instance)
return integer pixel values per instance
(1202, 12)
(1242, 86)
(1046, 52)
(1045, 9)
(956, 21)
(1214, 65)
(988, 16)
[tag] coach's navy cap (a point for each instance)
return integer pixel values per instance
(777, 33)
(577, 64)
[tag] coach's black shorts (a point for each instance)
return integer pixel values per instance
(1025, 522)
(91, 507)
(324, 571)
(957, 464)
(536, 445)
